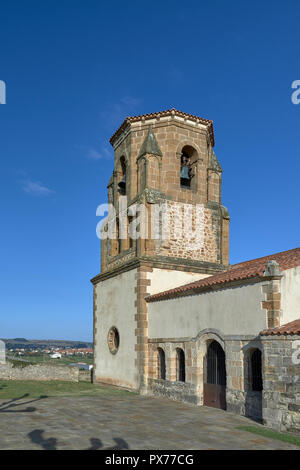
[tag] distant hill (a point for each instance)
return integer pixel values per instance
(44, 343)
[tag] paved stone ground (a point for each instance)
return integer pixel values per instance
(122, 422)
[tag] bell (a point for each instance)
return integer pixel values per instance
(122, 184)
(184, 173)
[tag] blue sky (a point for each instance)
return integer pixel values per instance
(74, 70)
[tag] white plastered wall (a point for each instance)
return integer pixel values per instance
(232, 311)
(115, 307)
(164, 279)
(290, 295)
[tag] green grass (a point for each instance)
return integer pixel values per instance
(46, 359)
(35, 389)
(266, 432)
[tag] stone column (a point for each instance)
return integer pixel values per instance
(235, 398)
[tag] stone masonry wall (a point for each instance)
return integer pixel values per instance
(281, 395)
(240, 398)
(178, 391)
(202, 246)
(172, 136)
(162, 175)
(187, 391)
(39, 372)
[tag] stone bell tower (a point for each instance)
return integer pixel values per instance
(162, 160)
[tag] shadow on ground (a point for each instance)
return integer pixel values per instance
(36, 437)
(253, 406)
(9, 406)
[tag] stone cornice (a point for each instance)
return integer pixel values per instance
(161, 262)
(171, 114)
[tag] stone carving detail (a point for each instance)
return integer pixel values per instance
(150, 145)
(272, 268)
(113, 340)
(213, 162)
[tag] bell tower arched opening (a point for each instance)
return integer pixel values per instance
(188, 161)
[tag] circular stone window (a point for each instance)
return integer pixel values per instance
(113, 340)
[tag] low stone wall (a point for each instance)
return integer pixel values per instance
(179, 391)
(39, 372)
(281, 394)
(245, 403)
(235, 401)
(277, 405)
(85, 375)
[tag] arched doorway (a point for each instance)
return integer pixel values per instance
(215, 377)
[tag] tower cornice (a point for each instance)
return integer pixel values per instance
(173, 114)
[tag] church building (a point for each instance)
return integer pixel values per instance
(172, 317)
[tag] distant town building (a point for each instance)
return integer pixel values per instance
(55, 355)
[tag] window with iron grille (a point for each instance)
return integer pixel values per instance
(216, 369)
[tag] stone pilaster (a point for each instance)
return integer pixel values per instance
(235, 398)
(94, 328)
(141, 331)
(272, 302)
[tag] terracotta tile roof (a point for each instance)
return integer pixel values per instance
(292, 328)
(248, 269)
(167, 112)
